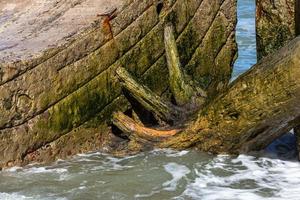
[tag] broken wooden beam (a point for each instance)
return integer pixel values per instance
(148, 99)
(134, 129)
(258, 107)
(180, 89)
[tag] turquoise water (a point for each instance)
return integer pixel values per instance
(162, 174)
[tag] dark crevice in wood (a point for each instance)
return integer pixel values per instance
(169, 115)
(146, 117)
(159, 7)
(117, 132)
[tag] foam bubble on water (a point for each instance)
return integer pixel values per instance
(39, 170)
(82, 187)
(138, 196)
(177, 153)
(178, 172)
(90, 154)
(169, 152)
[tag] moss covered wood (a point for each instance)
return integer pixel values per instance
(297, 23)
(68, 93)
(275, 25)
(257, 108)
(148, 99)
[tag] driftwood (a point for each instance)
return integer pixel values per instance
(257, 108)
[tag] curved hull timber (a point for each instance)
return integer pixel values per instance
(58, 101)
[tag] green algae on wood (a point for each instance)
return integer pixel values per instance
(57, 82)
(275, 25)
(257, 108)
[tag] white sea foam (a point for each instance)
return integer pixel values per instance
(210, 178)
(13, 169)
(138, 196)
(13, 196)
(169, 152)
(178, 172)
(39, 170)
(177, 153)
(249, 179)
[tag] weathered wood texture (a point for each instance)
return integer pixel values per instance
(135, 130)
(148, 99)
(184, 90)
(259, 106)
(275, 25)
(277, 22)
(297, 13)
(57, 103)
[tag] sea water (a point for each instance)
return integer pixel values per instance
(163, 174)
(155, 175)
(246, 37)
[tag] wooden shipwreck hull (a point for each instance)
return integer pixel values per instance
(275, 24)
(58, 87)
